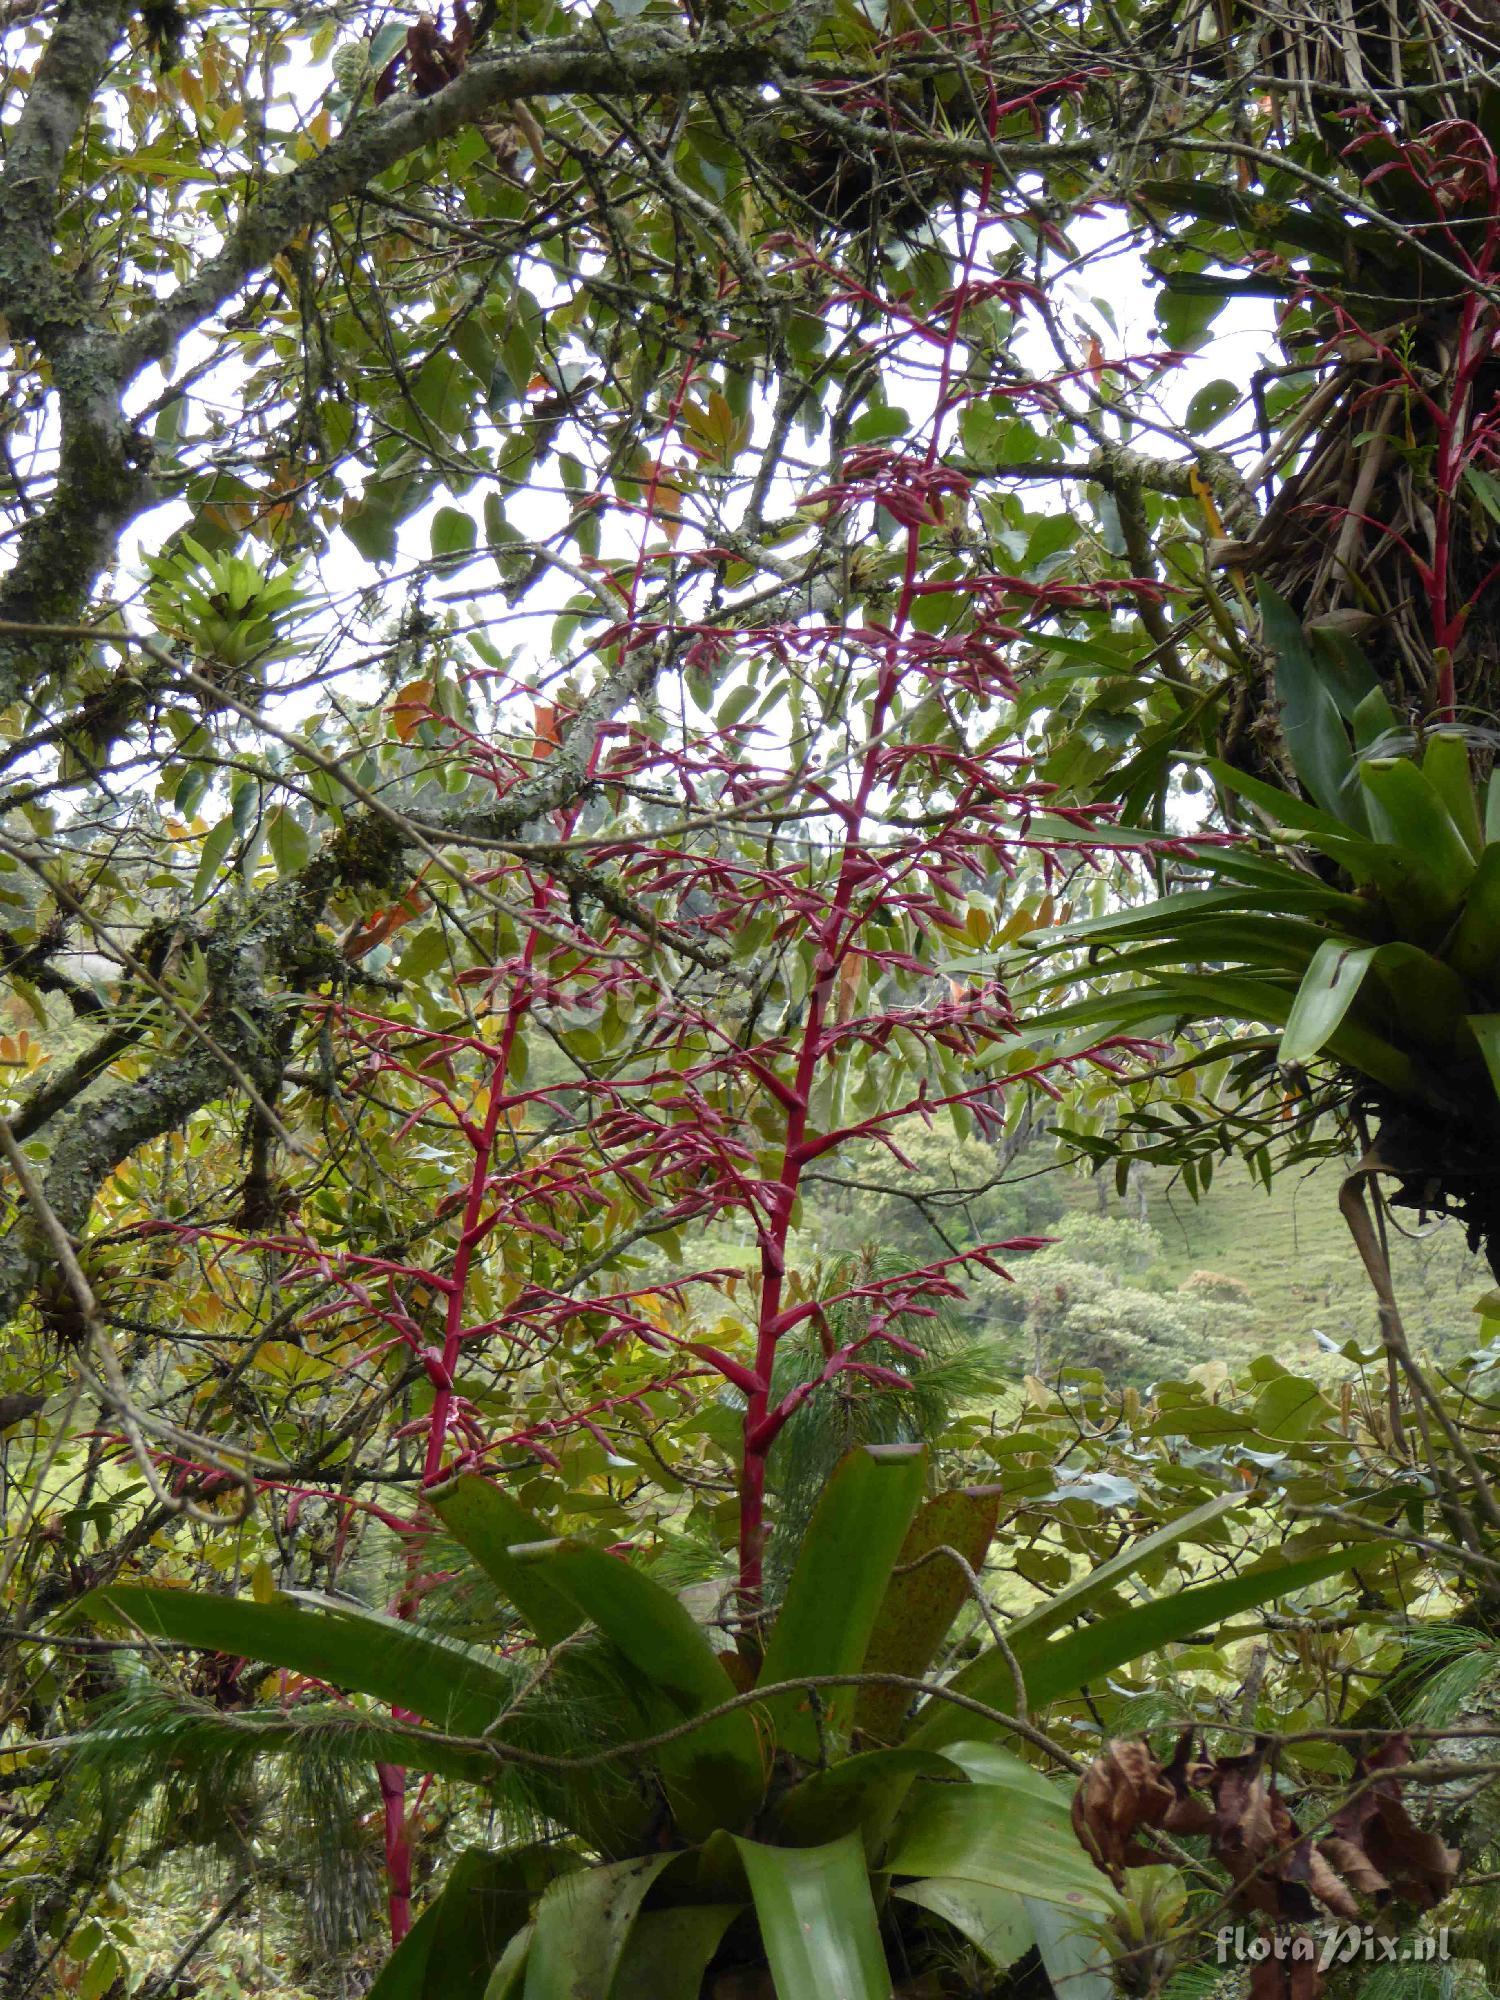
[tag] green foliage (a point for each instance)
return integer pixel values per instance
(966, 1822)
(223, 606)
(1386, 973)
(1082, 1310)
(955, 1192)
(950, 1367)
(687, 609)
(1445, 1670)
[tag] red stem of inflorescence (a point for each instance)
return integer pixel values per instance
(923, 485)
(680, 1138)
(442, 1368)
(1455, 166)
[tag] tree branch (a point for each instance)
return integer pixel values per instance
(639, 63)
(274, 939)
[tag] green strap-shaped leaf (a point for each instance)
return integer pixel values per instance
(855, 1794)
(1406, 812)
(1260, 871)
(714, 1777)
(507, 1977)
(1062, 1666)
(1474, 948)
(667, 1952)
(1237, 996)
(1413, 891)
(1007, 1837)
(1329, 989)
(582, 1926)
(1486, 1031)
(489, 1524)
(922, 1600)
(1344, 669)
(1279, 807)
(452, 1949)
(829, 1610)
(1075, 1598)
(1177, 915)
(817, 1920)
(1373, 719)
(987, 1764)
(1256, 940)
(453, 1686)
(1310, 720)
(1485, 489)
(995, 1921)
(1072, 1956)
(1446, 767)
(1426, 996)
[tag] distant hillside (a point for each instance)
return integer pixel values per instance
(1291, 1249)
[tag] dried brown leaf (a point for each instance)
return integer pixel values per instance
(1288, 1977)
(1121, 1791)
(1351, 1861)
(1416, 1865)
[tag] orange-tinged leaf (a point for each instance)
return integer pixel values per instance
(848, 993)
(547, 735)
(922, 1600)
(411, 707)
(380, 924)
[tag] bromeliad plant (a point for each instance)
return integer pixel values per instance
(224, 606)
(709, 1821)
(1363, 932)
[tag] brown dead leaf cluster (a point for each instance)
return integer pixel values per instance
(1285, 1979)
(1374, 1843)
(1372, 1849)
(430, 60)
(1127, 1789)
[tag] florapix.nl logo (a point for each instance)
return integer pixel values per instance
(1340, 1944)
